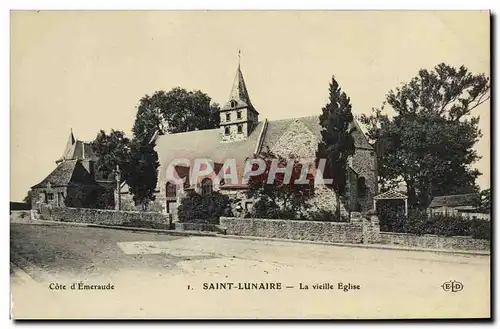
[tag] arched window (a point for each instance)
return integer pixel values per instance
(171, 190)
(233, 103)
(227, 131)
(238, 115)
(206, 186)
(228, 116)
(362, 187)
(240, 129)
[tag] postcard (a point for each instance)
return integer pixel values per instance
(250, 164)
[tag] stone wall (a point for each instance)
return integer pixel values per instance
(105, 217)
(434, 241)
(295, 230)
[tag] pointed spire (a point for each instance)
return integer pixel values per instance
(72, 137)
(69, 149)
(239, 92)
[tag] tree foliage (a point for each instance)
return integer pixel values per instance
(112, 150)
(484, 205)
(337, 143)
(428, 143)
(206, 209)
(279, 199)
(142, 173)
(172, 112)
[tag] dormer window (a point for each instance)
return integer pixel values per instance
(238, 115)
(240, 129)
(233, 103)
(227, 131)
(228, 116)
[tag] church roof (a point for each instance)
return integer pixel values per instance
(206, 143)
(276, 129)
(66, 173)
(77, 150)
(239, 93)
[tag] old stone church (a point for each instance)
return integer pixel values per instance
(243, 134)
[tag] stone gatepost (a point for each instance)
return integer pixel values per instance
(371, 227)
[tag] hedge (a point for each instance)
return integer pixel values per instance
(418, 222)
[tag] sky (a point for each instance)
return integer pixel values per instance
(87, 70)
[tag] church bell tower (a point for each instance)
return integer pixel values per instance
(238, 117)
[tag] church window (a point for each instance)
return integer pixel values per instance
(227, 131)
(361, 187)
(238, 115)
(233, 103)
(49, 197)
(171, 190)
(228, 116)
(206, 186)
(240, 129)
(60, 198)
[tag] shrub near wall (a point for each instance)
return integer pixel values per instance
(419, 223)
(106, 217)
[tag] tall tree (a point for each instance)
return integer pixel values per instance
(112, 150)
(142, 173)
(175, 111)
(429, 141)
(337, 142)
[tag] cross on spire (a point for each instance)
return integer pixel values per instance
(239, 57)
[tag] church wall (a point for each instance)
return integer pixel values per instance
(38, 196)
(233, 136)
(364, 163)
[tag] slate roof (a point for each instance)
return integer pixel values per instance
(61, 176)
(277, 128)
(454, 200)
(77, 150)
(239, 93)
(69, 172)
(206, 143)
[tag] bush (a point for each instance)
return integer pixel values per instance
(418, 222)
(480, 229)
(205, 209)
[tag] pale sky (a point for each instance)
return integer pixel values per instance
(88, 70)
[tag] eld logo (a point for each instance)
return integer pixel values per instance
(452, 286)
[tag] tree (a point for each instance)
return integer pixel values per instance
(112, 150)
(485, 201)
(279, 199)
(141, 174)
(172, 112)
(337, 143)
(428, 142)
